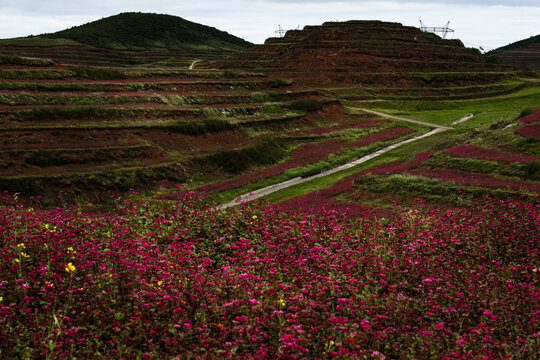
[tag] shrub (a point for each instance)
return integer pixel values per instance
(309, 104)
(532, 170)
(46, 159)
(95, 73)
(20, 60)
(228, 74)
(199, 127)
(265, 152)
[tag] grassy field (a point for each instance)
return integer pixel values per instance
(444, 112)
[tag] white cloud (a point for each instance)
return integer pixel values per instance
(475, 25)
(15, 23)
(475, 22)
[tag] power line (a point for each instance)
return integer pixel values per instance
(443, 30)
(280, 32)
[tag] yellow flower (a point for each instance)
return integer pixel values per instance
(47, 226)
(25, 255)
(21, 245)
(254, 217)
(332, 342)
(1, 298)
(160, 283)
(17, 260)
(70, 267)
(282, 302)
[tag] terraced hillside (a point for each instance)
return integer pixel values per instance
(367, 59)
(131, 39)
(86, 55)
(87, 129)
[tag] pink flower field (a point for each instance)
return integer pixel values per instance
(534, 117)
(474, 151)
(529, 131)
(156, 279)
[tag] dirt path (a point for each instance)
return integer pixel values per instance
(465, 118)
(298, 180)
(192, 66)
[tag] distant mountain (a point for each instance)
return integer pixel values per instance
(518, 44)
(139, 31)
(524, 52)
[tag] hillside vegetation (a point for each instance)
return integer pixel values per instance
(525, 52)
(88, 129)
(150, 31)
(130, 39)
(518, 44)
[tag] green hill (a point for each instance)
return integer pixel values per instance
(138, 31)
(522, 53)
(518, 44)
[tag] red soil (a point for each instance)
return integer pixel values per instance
(134, 93)
(68, 146)
(363, 124)
(69, 138)
(85, 161)
(167, 80)
(143, 105)
(11, 66)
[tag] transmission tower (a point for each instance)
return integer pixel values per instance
(443, 30)
(279, 32)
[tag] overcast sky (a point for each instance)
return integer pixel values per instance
(478, 23)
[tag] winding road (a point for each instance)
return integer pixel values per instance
(298, 180)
